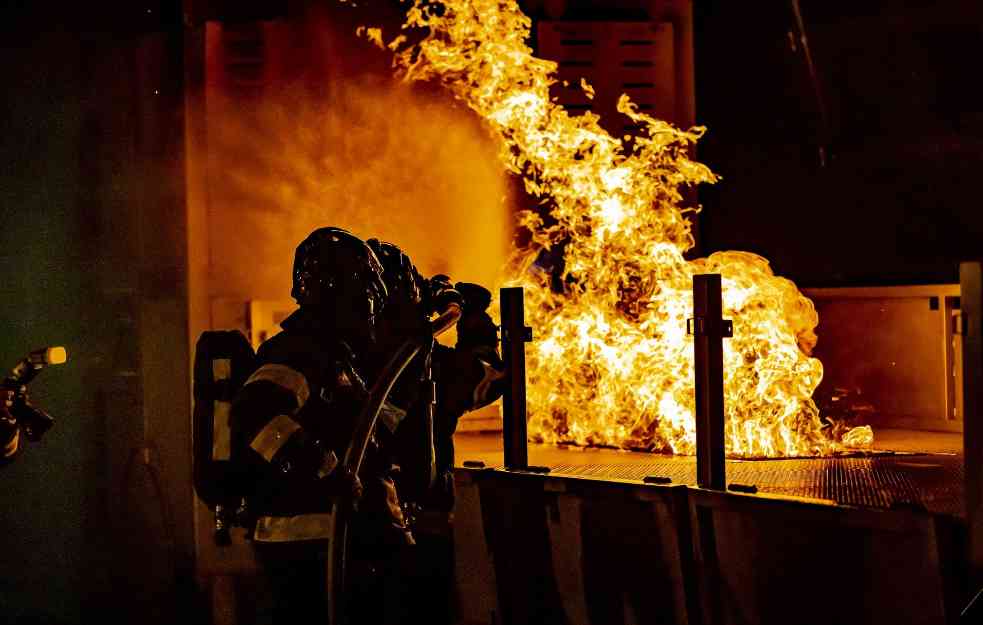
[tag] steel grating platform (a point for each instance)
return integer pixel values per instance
(904, 479)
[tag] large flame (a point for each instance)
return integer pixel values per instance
(612, 363)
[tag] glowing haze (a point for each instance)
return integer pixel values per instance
(612, 363)
(379, 159)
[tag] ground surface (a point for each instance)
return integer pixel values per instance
(925, 470)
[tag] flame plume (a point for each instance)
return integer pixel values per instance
(612, 364)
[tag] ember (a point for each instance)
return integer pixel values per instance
(612, 363)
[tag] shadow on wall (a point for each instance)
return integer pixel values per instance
(381, 159)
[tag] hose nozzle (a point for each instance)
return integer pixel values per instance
(32, 364)
(57, 355)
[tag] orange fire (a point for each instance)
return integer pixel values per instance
(612, 363)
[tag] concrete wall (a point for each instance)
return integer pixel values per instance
(97, 517)
(48, 490)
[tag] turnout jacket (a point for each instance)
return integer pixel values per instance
(291, 423)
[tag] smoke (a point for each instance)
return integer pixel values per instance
(381, 159)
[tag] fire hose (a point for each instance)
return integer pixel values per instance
(351, 462)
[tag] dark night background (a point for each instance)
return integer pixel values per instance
(897, 201)
(88, 226)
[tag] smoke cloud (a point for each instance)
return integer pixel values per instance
(381, 159)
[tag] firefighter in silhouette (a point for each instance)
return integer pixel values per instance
(447, 382)
(294, 416)
(17, 414)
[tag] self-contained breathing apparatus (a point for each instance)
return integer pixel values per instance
(224, 359)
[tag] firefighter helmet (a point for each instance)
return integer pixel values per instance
(401, 276)
(335, 270)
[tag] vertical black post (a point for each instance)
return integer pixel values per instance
(971, 314)
(708, 329)
(515, 334)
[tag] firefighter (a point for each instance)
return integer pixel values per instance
(467, 376)
(17, 414)
(294, 416)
